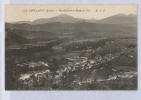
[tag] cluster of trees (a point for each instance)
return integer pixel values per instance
(12, 38)
(118, 84)
(132, 45)
(28, 54)
(34, 83)
(16, 36)
(11, 73)
(84, 45)
(66, 83)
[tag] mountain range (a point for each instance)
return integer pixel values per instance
(122, 19)
(117, 25)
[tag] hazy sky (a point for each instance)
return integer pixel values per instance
(14, 13)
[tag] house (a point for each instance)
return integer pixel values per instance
(112, 77)
(24, 76)
(130, 56)
(20, 65)
(70, 60)
(89, 50)
(92, 61)
(35, 64)
(83, 58)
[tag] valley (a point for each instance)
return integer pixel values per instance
(66, 53)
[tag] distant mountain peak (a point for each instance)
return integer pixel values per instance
(121, 14)
(121, 19)
(63, 15)
(132, 15)
(63, 18)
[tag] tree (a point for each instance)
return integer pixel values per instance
(10, 73)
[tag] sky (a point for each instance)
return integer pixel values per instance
(15, 13)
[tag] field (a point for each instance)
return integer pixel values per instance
(116, 46)
(93, 74)
(68, 55)
(126, 62)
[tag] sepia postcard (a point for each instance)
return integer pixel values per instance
(71, 47)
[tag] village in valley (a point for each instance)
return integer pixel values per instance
(77, 65)
(71, 56)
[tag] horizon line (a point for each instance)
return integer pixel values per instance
(74, 17)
